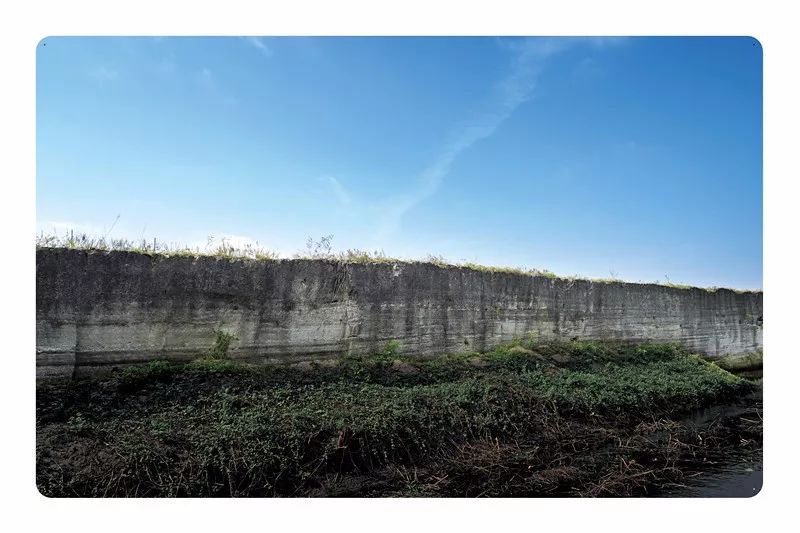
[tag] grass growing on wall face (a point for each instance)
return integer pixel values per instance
(215, 427)
(222, 343)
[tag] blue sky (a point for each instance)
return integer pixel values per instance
(639, 157)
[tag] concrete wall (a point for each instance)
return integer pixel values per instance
(99, 310)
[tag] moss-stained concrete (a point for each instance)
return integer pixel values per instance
(742, 362)
(96, 310)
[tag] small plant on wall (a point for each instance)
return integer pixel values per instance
(391, 349)
(222, 343)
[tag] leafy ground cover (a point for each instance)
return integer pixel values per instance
(525, 420)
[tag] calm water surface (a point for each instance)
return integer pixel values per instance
(735, 477)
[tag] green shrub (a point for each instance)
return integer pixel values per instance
(391, 349)
(222, 343)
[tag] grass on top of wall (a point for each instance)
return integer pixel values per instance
(321, 249)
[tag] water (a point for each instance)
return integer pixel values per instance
(737, 476)
(736, 481)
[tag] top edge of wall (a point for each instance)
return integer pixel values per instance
(388, 262)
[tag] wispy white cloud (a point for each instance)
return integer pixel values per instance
(259, 44)
(209, 82)
(529, 58)
(338, 190)
(166, 65)
(587, 70)
(207, 78)
(104, 73)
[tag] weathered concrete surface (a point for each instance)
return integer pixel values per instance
(99, 310)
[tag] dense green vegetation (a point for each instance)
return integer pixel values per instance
(363, 425)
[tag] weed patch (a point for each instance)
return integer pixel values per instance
(214, 427)
(222, 344)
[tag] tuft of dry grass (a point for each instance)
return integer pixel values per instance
(321, 250)
(223, 249)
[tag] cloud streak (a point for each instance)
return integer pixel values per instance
(208, 81)
(104, 73)
(259, 44)
(529, 58)
(338, 190)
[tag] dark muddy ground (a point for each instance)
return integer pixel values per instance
(576, 419)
